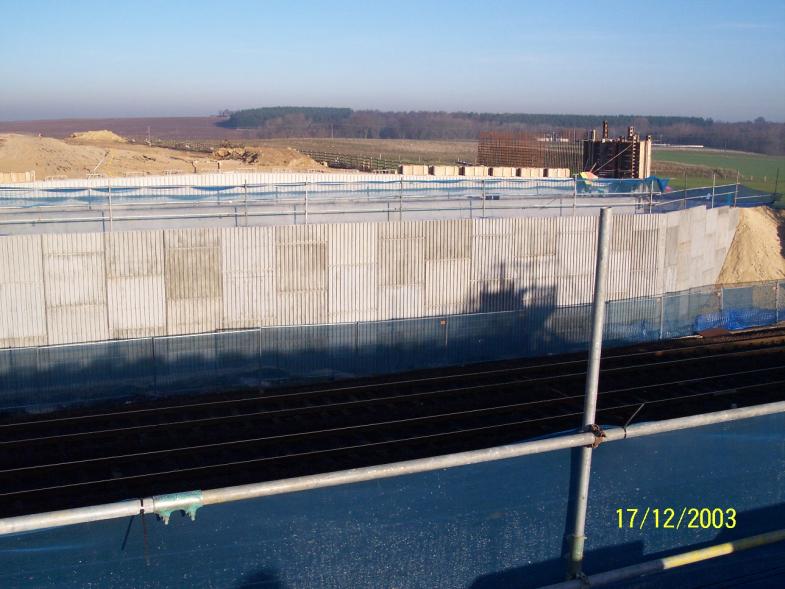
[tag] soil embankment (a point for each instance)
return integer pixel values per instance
(758, 248)
(103, 152)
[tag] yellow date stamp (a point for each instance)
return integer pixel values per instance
(674, 518)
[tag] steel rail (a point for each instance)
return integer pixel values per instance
(762, 339)
(390, 399)
(161, 504)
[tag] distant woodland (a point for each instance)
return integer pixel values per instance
(273, 122)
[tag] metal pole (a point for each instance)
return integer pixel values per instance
(109, 186)
(736, 194)
(574, 193)
(713, 186)
(578, 536)
(53, 519)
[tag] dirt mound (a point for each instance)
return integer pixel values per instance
(75, 159)
(267, 156)
(102, 136)
(758, 248)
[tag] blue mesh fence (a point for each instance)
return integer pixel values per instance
(44, 378)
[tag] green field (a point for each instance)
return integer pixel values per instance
(756, 171)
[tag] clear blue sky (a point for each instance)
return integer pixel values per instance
(77, 58)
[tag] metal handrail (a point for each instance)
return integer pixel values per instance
(163, 505)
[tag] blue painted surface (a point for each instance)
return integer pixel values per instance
(483, 526)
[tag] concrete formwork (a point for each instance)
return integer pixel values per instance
(86, 287)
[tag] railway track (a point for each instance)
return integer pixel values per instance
(94, 456)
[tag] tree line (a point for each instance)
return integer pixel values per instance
(286, 121)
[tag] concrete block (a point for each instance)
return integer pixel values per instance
(502, 171)
(473, 171)
(413, 170)
(443, 170)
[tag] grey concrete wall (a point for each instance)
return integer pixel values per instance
(72, 288)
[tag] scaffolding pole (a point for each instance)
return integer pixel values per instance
(578, 536)
(54, 519)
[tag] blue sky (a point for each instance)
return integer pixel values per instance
(723, 59)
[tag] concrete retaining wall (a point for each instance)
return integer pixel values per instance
(72, 288)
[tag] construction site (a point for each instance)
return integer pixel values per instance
(219, 360)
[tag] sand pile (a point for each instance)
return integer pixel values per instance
(758, 248)
(102, 136)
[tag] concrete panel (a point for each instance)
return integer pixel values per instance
(448, 240)
(352, 272)
(447, 286)
(302, 307)
(493, 250)
(248, 277)
(193, 280)
(401, 254)
(576, 248)
(395, 302)
(135, 284)
(352, 293)
(301, 274)
(574, 290)
(536, 237)
(352, 243)
(22, 307)
(619, 270)
(490, 296)
(75, 288)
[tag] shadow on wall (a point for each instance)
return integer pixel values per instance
(732, 569)
(501, 325)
